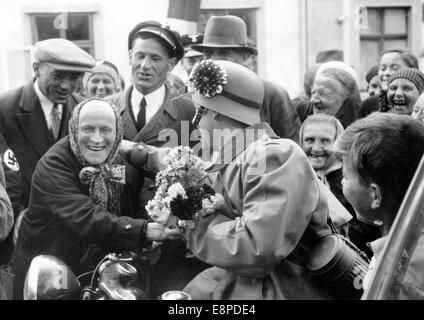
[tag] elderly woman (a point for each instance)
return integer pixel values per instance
(81, 197)
(102, 81)
(336, 93)
(390, 62)
(317, 137)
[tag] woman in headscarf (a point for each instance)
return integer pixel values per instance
(82, 197)
(317, 137)
(336, 93)
(390, 62)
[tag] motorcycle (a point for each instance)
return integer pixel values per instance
(114, 278)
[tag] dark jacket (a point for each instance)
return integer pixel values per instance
(62, 219)
(278, 110)
(24, 128)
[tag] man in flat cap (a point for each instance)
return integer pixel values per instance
(225, 38)
(34, 116)
(153, 114)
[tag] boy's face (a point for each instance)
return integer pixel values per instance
(358, 193)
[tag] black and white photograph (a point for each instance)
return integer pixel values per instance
(224, 151)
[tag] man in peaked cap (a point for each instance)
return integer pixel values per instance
(225, 38)
(191, 56)
(34, 116)
(153, 114)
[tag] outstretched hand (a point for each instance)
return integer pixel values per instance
(158, 232)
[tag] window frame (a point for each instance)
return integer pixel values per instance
(89, 43)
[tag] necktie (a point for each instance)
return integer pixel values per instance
(141, 116)
(55, 121)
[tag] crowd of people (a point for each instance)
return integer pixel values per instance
(80, 149)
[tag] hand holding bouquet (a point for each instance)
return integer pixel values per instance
(184, 193)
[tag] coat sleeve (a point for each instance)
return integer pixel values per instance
(6, 211)
(277, 203)
(56, 190)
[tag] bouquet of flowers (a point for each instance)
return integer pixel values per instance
(184, 193)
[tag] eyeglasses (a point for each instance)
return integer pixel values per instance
(199, 112)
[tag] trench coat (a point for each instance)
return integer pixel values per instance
(62, 219)
(276, 208)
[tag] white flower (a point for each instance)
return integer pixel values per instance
(176, 190)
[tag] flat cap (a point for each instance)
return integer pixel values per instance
(63, 54)
(171, 37)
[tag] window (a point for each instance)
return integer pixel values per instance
(76, 27)
(387, 29)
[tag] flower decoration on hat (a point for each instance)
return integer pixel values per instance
(208, 78)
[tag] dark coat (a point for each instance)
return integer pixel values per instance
(24, 128)
(278, 110)
(62, 219)
(173, 270)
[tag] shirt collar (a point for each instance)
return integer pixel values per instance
(44, 101)
(154, 98)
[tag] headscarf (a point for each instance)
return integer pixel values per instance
(333, 162)
(107, 179)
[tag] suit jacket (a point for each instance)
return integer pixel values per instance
(173, 117)
(24, 128)
(278, 110)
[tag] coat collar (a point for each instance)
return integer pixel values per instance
(239, 144)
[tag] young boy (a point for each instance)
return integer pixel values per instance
(380, 156)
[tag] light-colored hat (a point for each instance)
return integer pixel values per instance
(225, 32)
(337, 65)
(105, 67)
(228, 89)
(63, 54)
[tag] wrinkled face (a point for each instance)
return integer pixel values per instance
(189, 62)
(56, 85)
(402, 95)
(327, 95)
(96, 131)
(318, 138)
(100, 85)
(227, 54)
(374, 87)
(389, 63)
(357, 192)
(418, 111)
(150, 64)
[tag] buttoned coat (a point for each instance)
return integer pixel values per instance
(24, 128)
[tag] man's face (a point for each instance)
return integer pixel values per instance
(150, 64)
(402, 95)
(56, 85)
(327, 95)
(389, 63)
(96, 131)
(374, 87)
(227, 54)
(318, 138)
(357, 192)
(188, 63)
(100, 85)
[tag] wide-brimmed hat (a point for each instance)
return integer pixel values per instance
(225, 32)
(228, 89)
